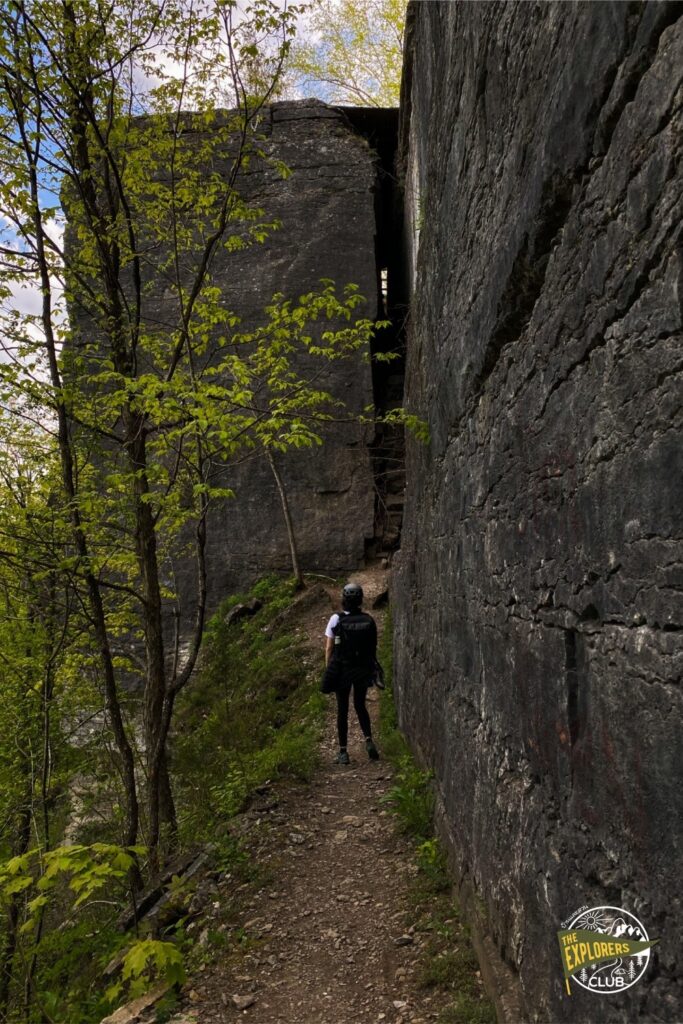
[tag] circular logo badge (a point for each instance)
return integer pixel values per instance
(612, 976)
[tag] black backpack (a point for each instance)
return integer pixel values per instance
(357, 635)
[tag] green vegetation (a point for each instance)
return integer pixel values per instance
(131, 422)
(448, 961)
(253, 715)
(119, 429)
(350, 53)
(66, 964)
(250, 717)
(412, 798)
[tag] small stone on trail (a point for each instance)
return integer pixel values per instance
(296, 837)
(404, 940)
(243, 1002)
(339, 837)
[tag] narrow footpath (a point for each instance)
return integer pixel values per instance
(328, 937)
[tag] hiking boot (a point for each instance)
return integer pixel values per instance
(342, 758)
(373, 752)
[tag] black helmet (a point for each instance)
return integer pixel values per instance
(352, 596)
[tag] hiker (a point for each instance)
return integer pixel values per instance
(350, 650)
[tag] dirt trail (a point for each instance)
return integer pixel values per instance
(329, 941)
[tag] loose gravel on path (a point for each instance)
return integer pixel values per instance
(329, 940)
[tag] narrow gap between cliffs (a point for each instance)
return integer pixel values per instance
(387, 449)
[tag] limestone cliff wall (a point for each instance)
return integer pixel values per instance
(326, 209)
(336, 217)
(539, 593)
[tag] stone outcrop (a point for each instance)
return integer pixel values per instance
(539, 596)
(333, 211)
(326, 209)
(336, 221)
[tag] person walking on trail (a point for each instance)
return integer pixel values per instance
(350, 659)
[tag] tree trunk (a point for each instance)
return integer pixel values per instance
(67, 466)
(10, 946)
(167, 811)
(93, 588)
(291, 536)
(155, 682)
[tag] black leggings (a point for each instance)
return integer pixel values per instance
(359, 692)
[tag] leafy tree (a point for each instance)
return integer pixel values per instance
(134, 366)
(124, 399)
(85, 874)
(350, 53)
(36, 627)
(286, 399)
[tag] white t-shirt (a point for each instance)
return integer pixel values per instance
(332, 623)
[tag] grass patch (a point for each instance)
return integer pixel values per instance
(252, 715)
(412, 795)
(412, 799)
(466, 1010)
(448, 962)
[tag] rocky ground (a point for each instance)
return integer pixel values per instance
(330, 936)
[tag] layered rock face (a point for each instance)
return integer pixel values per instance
(326, 210)
(539, 595)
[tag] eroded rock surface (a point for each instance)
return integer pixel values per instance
(539, 599)
(326, 211)
(325, 206)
